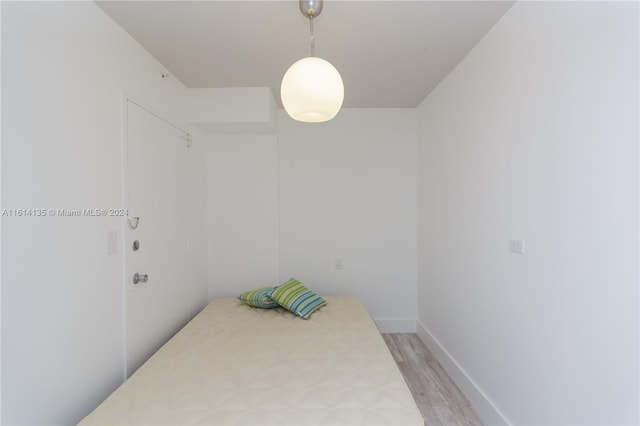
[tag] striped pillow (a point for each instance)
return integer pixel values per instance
(297, 298)
(259, 298)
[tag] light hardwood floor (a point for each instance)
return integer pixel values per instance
(438, 398)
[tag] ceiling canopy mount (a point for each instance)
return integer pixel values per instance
(311, 8)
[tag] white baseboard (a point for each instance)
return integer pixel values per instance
(487, 411)
(396, 325)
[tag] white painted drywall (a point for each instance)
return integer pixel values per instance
(65, 68)
(242, 213)
(232, 110)
(0, 228)
(288, 204)
(348, 191)
(534, 136)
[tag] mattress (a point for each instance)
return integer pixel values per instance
(237, 365)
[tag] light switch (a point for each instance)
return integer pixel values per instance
(516, 246)
(112, 242)
(339, 265)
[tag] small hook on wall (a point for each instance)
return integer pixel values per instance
(133, 222)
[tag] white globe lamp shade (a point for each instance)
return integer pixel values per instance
(312, 90)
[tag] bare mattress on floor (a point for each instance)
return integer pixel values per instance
(238, 365)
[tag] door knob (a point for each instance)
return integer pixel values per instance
(140, 278)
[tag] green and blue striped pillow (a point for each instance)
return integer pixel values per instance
(259, 298)
(297, 298)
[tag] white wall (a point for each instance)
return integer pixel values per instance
(0, 228)
(288, 204)
(534, 136)
(232, 110)
(348, 191)
(65, 66)
(242, 213)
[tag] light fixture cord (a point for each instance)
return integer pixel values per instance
(313, 40)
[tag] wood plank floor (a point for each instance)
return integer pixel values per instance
(438, 398)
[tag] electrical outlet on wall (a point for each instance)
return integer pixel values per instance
(516, 246)
(338, 264)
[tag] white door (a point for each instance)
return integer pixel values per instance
(157, 161)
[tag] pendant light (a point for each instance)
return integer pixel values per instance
(312, 89)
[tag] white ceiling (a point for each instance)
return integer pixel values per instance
(389, 53)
